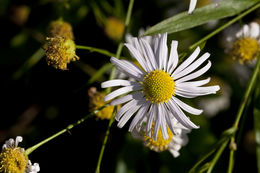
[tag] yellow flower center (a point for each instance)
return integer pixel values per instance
(60, 51)
(158, 86)
(13, 160)
(160, 144)
(245, 49)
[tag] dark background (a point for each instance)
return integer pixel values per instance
(44, 100)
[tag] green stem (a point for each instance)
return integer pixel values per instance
(93, 49)
(118, 53)
(248, 92)
(242, 106)
(231, 161)
(112, 119)
(120, 46)
(193, 169)
(224, 26)
(31, 149)
(218, 154)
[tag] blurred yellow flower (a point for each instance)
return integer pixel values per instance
(96, 100)
(60, 51)
(114, 28)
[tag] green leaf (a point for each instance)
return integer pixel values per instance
(257, 135)
(182, 21)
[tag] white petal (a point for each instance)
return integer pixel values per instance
(186, 107)
(133, 66)
(157, 123)
(149, 52)
(150, 120)
(116, 82)
(137, 55)
(199, 90)
(140, 114)
(185, 94)
(124, 67)
(195, 74)
(163, 51)
(17, 140)
(254, 30)
(180, 116)
(187, 62)
(128, 115)
(194, 83)
(125, 108)
(126, 98)
(174, 58)
(10, 143)
(192, 67)
(192, 6)
(174, 153)
(245, 30)
(129, 38)
(162, 113)
(121, 91)
(169, 122)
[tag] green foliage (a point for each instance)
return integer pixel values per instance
(200, 16)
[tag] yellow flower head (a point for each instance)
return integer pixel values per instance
(60, 51)
(96, 100)
(160, 144)
(13, 159)
(60, 28)
(114, 28)
(245, 47)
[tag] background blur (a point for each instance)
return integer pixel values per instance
(38, 100)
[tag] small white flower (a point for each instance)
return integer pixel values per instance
(244, 44)
(192, 6)
(172, 144)
(12, 156)
(158, 82)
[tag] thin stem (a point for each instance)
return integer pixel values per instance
(93, 49)
(218, 154)
(249, 90)
(202, 160)
(120, 46)
(112, 119)
(224, 26)
(118, 53)
(31, 149)
(231, 162)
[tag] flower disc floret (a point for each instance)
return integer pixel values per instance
(245, 49)
(160, 144)
(158, 86)
(13, 160)
(60, 51)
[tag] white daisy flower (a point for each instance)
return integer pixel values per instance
(14, 159)
(172, 144)
(244, 44)
(157, 84)
(192, 6)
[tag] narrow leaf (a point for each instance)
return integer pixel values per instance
(182, 21)
(257, 136)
